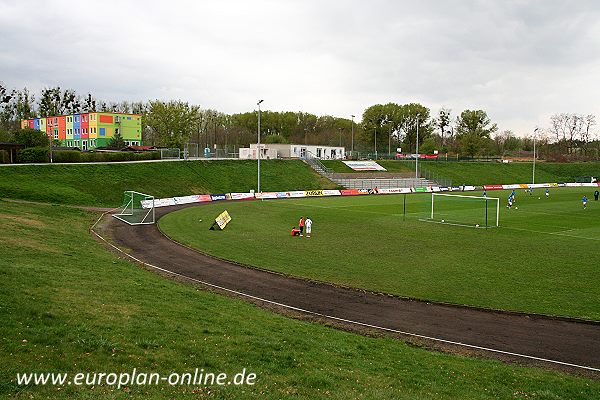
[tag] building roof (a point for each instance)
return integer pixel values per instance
(88, 112)
(139, 148)
(8, 145)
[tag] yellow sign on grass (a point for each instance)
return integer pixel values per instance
(221, 221)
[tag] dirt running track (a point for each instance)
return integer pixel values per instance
(562, 340)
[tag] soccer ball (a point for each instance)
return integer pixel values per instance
(443, 221)
(539, 198)
(476, 225)
(516, 208)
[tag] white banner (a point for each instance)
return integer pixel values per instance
(297, 193)
(331, 193)
(364, 165)
(158, 202)
(513, 186)
(394, 190)
(266, 195)
(241, 196)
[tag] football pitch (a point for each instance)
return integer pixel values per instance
(542, 258)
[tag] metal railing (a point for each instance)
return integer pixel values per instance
(382, 183)
(316, 164)
(432, 176)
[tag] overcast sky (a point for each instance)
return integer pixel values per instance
(521, 61)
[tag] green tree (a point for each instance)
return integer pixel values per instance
(428, 146)
(473, 128)
(416, 116)
(443, 123)
(30, 137)
(51, 102)
(116, 142)
(275, 139)
(172, 123)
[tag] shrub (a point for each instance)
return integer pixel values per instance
(33, 155)
(66, 156)
(118, 156)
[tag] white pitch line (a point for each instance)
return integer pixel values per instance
(559, 233)
(470, 346)
(346, 208)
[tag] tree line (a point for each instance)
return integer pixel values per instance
(381, 127)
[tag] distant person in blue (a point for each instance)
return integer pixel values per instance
(484, 193)
(596, 194)
(547, 193)
(584, 201)
(510, 201)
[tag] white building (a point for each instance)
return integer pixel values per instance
(277, 150)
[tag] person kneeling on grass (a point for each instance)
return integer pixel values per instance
(295, 231)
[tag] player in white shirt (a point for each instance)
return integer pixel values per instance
(308, 226)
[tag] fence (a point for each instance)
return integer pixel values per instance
(193, 151)
(382, 183)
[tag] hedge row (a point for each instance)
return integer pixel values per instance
(40, 155)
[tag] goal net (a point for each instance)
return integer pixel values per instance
(465, 210)
(170, 154)
(137, 208)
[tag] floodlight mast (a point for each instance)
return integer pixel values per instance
(258, 150)
(535, 131)
(352, 148)
(417, 155)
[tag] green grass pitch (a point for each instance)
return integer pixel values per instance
(542, 259)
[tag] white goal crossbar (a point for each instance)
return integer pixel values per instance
(486, 199)
(137, 208)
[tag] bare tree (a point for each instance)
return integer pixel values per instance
(589, 121)
(566, 128)
(443, 122)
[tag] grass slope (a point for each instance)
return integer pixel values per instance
(68, 305)
(474, 173)
(542, 259)
(103, 185)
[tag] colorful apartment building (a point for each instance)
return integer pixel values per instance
(89, 130)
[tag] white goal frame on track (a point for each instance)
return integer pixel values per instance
(483, 198)
(137, 208)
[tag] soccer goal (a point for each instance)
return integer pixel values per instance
(170, 154)
(465, 210)
(137, 208)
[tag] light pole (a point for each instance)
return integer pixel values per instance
(390, 141)
(375, 142)
(258, 157)
(417, 151)
(535, 131)
(352, 148)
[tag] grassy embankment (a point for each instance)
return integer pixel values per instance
(479, 173)
(103, 185)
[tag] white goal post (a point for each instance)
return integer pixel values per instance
(466, 207)
(137, 208)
